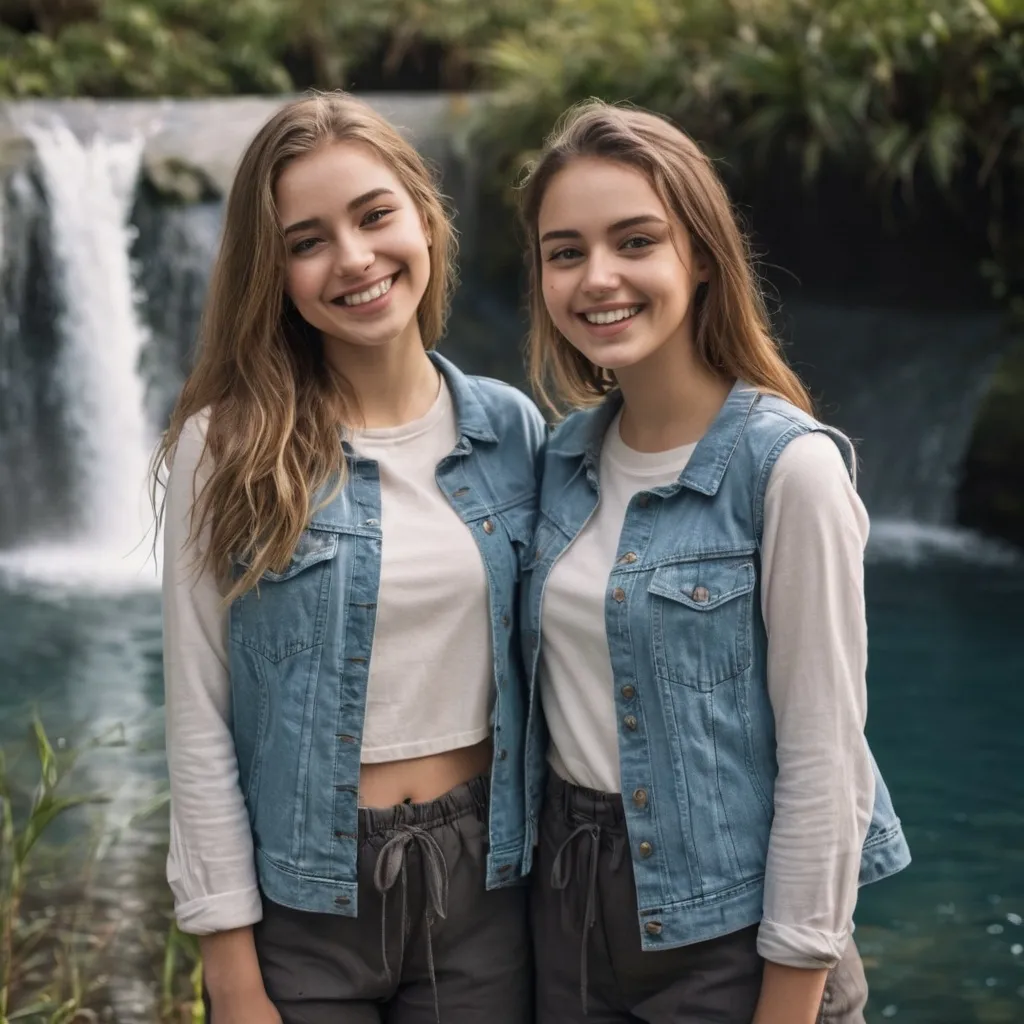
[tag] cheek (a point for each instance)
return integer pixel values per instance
(300, 281)
(557, 296)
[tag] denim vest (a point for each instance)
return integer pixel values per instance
(688, 653)
(300, 651)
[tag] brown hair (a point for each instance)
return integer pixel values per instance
(274, 400)
(732, 335)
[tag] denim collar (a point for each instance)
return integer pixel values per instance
(582, 434)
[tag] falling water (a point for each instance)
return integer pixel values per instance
(90, 187)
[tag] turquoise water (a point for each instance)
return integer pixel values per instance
(943, 941)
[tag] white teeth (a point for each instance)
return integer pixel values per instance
(379, 289)
(611, 316)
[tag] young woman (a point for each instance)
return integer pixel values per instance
(344, 517)
(694, 618)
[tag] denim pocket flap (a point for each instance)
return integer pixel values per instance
(704, 585)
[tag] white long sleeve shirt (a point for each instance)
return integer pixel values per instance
(430, 684)
(812, 600)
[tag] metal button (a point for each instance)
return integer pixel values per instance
(653, 927)
(488, 526)
(342, 901)
(628, 691)
(619, 594)
(629, 557)
(372, 522)
(700, 594)
(640, 797)
(505, 620)
(502, 754)
(460, 492)
(643, 500)
(646, 849)
(630, 722)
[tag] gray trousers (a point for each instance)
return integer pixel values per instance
(589, 963)
(430, 943)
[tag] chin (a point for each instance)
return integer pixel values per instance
(613, 357)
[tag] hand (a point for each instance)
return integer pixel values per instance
(248, 1007)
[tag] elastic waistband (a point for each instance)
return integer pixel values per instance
(578, 805)
(470, 797)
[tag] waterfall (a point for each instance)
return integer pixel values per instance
(106, 541)
(89, 370)
(904, 385)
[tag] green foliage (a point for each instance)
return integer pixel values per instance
(47, 961)
(18, 837)
(904, 90)
(166, 47)
(197, 48)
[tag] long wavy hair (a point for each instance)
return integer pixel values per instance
(275, 403)
(732, 334)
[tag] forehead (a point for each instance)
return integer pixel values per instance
(329, 177)
(590, 193)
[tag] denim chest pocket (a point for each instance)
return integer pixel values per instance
(287, 612)
(701, 620)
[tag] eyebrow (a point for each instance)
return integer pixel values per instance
(366, 197)
(619, 225)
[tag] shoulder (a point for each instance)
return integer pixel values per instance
(513, 415)
(504, 398)
(810, 497)
(190, 446)
(810, 466)
(775, 425)
(574, 433)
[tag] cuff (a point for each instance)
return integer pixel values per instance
(800, 946)
(209, 914)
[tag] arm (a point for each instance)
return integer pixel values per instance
(210, 865)
(813, 604)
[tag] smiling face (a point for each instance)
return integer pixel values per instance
(618, 270)
(358, 257)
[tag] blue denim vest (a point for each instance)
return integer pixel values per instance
(300, 652)
(688, 647)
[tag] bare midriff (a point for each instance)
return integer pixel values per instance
(421, 779)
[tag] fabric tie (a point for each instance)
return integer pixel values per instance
(391, 866)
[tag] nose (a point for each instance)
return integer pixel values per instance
(354, 256)
(600, 274)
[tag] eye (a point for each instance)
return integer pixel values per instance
(637, 242)
(568, 253)
(376, 216)
(304, 246)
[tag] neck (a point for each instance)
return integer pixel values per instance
(670, 399)
(393, 383)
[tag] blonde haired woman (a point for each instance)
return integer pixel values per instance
(694, 617)
(344, 516)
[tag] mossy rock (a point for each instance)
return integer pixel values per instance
(991, 497)
(173, 180)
